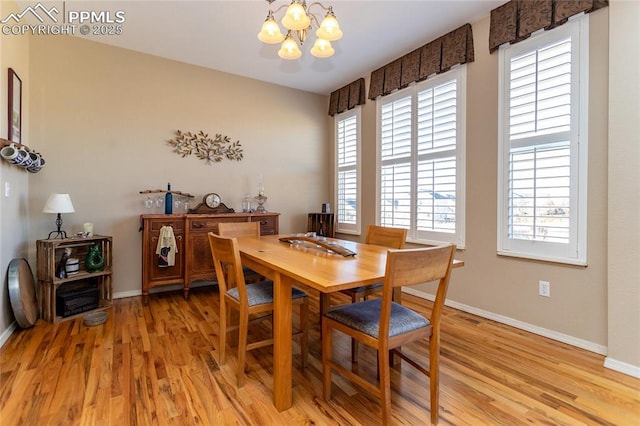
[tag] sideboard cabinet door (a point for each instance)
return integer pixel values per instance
(152, 273)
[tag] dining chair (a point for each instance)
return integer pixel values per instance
(249, 300)
(386, 325)
(382, 236)
(242, 229)
(239, 229)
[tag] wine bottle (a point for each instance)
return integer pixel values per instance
(168, 200)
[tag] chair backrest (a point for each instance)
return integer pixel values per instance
(416, 266)
(384, 236)
(239, 229)
(226, 259)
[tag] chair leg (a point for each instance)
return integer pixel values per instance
(304, 315)
(242, 347)
(327, 345)
(354, 342)
(222, 333)
(434, 376)
(385, 385)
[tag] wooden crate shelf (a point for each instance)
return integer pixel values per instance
(323, 224)
(49, 253)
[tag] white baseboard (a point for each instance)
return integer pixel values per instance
(622, 367)
(564, 338)
(123, 294)
(7, 333)
(133, 293)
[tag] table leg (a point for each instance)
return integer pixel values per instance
(282, 342)
(325, 304)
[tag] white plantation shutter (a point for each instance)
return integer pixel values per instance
(543, 184)
(395, 188)
(436, 210)
(347, 159)
(421, 144)
(540, 91)
(539, 193)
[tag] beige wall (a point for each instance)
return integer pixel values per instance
(507, 288)
(14, 228)
(624, 185)
(102, 117)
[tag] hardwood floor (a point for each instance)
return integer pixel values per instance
(157, 365)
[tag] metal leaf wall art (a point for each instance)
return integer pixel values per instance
(205, 148)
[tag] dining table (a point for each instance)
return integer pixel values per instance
(313, 266)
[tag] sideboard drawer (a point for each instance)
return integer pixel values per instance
(211, 224)
(177, 224)
(267, 224)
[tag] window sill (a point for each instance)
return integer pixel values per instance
(460, 247)
(570, 262)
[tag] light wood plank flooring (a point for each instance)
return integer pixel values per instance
(157, 365)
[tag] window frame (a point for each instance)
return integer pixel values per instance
(575, 251)
(349, 228)
(459, 73)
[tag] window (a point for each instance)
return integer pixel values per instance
(348, 171)
(421, 152)
(543, 146)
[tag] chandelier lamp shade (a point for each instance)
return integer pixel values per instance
(298, 20)
(56, 204)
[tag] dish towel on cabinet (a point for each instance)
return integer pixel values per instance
(167, 247)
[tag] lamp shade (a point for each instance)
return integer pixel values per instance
(58, 203)
(329, 28)
(322, 48)
(296, 17)
(289, 49)
(270, 32)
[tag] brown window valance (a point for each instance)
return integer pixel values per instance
(435, 57)
(516, 20)
(347, 97)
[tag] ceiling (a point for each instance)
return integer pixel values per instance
(222, 35)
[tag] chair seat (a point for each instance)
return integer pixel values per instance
(248, 271)
(363, 288)
(365, 317)
(262, 292)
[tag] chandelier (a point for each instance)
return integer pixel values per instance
(298, 20)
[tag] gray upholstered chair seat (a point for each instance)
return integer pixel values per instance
(365, 316)
(366, 287)
(247, 271)
(262, 292)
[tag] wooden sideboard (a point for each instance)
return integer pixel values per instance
(193, 258)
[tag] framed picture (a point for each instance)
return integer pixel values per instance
(15, 107)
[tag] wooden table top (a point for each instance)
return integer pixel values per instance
(315, 267)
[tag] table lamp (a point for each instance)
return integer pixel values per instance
(58, 203)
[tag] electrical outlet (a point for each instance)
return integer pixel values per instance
(544, 288)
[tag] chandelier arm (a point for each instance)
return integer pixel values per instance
(319, 4)
(313, 18)
(278, 9)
